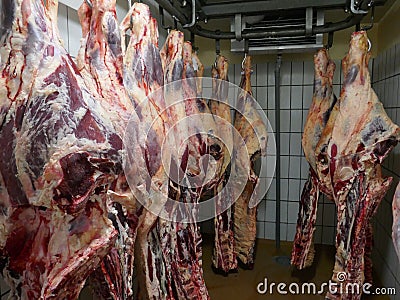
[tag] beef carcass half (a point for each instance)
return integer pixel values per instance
(60, 154)
(396, 220)
(224, 256)
(143, 79)
(318, 115)
(253, 131)
(101, 65)
(179, 234)
(356, 139)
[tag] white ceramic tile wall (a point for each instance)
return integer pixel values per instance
(296, 96)
(386, 79)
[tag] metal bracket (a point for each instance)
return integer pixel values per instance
(330, 40)
(192, 38)
(246, 46)
(309, 21)
(217, 47)
(355, 7)
(238, 27)
(162, 18)
(193, 15)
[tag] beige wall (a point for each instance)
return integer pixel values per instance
(389, 28)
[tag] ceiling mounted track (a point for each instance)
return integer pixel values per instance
(194, 11)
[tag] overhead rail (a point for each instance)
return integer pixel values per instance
(356, 10)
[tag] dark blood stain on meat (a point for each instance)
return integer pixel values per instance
(201, 105)
(19, 116)
(177, 70)
(79, 225)
(375, 128)
(138, 67)
(150, 58)
(113, 37)
(77, 177)
(8, 166)
(156, 67)
(360, 147)
(382, 148)
(325, 116)
(190, 74)
(352, 75)
(317, 85)
(153, 152)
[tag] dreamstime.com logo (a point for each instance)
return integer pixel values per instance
(309, 288)
(166, 161)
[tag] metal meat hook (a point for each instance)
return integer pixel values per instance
(246, 50)
(191, 24)
(368, 27)
(217, 51)
(244, 59)
(89, 3)
(330, 41)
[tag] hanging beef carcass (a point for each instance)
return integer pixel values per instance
(192, 130)
(179, 234)
(356, 139)
(224, 256)
(60, 153)
(203, 134)
(253, 131)
(318, 115)
(396, 220)
(143, 79)
(100, 63)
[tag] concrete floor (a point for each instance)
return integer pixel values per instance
(243, 285)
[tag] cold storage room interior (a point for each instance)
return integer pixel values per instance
(82, 82)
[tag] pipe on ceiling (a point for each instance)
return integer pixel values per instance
(254, 34)
(248, 34)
